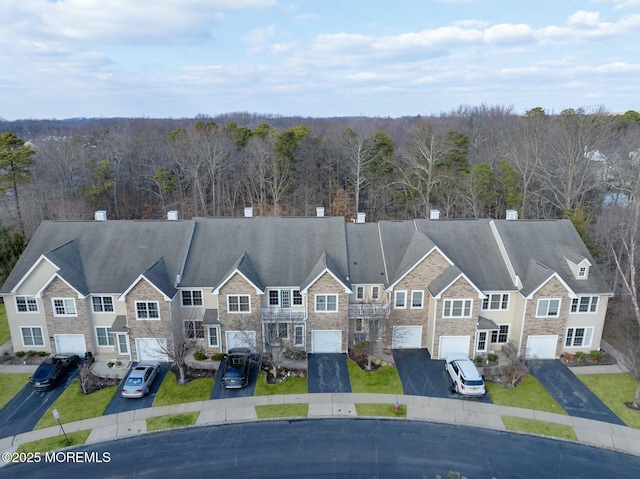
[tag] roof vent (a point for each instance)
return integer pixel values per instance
(172, 215)
(319, 211)
(512, 215)
(361, 217)
(248, 211)
(434, 214)
(101, 215)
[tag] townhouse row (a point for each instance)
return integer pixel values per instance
(132, 290)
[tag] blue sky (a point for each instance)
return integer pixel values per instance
(179, 58)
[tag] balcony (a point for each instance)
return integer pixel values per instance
(275, 314)
(368, 310)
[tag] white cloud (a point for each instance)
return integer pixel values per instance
(257, 39)
(584, 19)
(509, 34)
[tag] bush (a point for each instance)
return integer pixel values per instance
(200, 356)
(42, 353)
(478, 359)
(31, 353)
(20, 353)
(492, 357)
(580, 356)
(596, 356)
(217, 357)
(110, 364)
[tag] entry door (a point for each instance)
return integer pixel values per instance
(285, 299)
(123, 344)
(481, 342)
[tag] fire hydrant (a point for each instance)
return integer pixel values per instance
(396, 406)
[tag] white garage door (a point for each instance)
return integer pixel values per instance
(452, 345)
(241, 339)
(407, 337)
(152, 349)
(326, 341)
(70, 343)
(542, 347)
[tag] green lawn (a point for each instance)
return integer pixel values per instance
(176, 420)
(56, 442)
(4, 325)
(171, 392)
(282, 410)
(11, 384)
(379, 410)
(72, 405)
(529, 394)
(288, 386)
(385, 380)
(614, 390)
(539, 427)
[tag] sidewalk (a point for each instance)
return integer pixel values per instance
(449, 411)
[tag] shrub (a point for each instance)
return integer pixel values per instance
(596, 356)
(217, 357)
(42, 353)
(580, 356)
(478, 359)
(200, 356)
(492, 357)
(20, 353)
(110, 364)
(31, 353)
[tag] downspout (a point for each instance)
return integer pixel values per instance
(524, 312)
(433, 334)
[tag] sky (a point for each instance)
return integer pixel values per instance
(182, 58)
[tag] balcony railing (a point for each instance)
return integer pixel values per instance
(368, 310)
(274, 313)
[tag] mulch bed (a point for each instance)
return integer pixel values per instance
(194, 373)
(573, 362)
(30, 359)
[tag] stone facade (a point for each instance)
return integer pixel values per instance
(326, 284)
(79, 324)
(230, 321)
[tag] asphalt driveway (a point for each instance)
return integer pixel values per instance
(570, 392)
(120, 404)
(23, 412)
(328, 373)
(423, 376)
(220, 392)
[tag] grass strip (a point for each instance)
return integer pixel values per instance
(529, 394)
(171, 392)
(282, 410)
(381, 410)
(56, 442)
(175, 420)
(290, 385)
(384, 380)
(539, 427)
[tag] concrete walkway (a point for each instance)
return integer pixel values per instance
(450, 411)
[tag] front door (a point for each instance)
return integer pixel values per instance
(481, 342)
(123, 344)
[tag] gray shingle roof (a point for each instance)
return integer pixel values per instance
(418, 247)
(366, 264)
(324, 263)
(443, 280)
(159, 276)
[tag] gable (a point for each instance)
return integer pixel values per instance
(424, 272)
(35, 279)
(461, 288)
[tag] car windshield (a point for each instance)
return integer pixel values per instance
(477, 382)
(134, 382)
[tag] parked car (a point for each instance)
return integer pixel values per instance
(54, 370)
(140, 379)
(237, 366)
(466, 378)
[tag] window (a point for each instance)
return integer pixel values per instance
(482, 341)
(274, 297)
(400, 301)
(496, 302)
(548, 308)
(416, 299)
(214, 335)
(582, 272)
(147, 310)
(26, 304)
(283, 330)
(104, 336)
(297, 298)
(358, 325)
(500, 336)
(578, 337)
(457, 308)
(193, 329)
(359, 293)
(326, 303)
(102, 304)
(64, 307)
(375, 292)
(298, 335)
(32, 336)
(584, 304)
(238, 303)
(192, 298)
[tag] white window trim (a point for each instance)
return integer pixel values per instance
(359, 293)
(547, 312)
(136, 303)
(395, 299)
(499, 308)
(217, 328)
(31, 328)
(573, 336)
(26, 302)
(93, 309)
(375, 292)
(421, 299)
(185, 329)
(64, 300)
(110, 337)
(229, 296)
(191, 305)
(497, 341)
(579, 299)
(326, 296)
(301, 344)
(449, 303)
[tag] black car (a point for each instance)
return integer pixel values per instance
(54, 370)
(237, 367)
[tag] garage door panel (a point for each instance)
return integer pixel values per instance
(152, 349)
(453, 345)
(407, 337)
(542, 347)
(70, 343)
(326, 341)
(240, 339)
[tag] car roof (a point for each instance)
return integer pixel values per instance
(466, 366)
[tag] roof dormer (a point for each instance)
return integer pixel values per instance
(580, 270)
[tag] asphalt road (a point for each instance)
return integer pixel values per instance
(26, 408)
(357, 448)
(328, 373)
(120, 404)
(570, 392)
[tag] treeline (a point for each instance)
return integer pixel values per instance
(469, 163)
